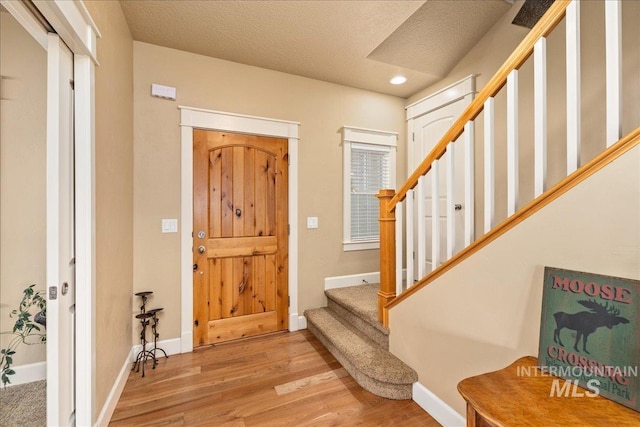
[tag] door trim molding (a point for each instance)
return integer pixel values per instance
(443, 97)
(465, 88)
(190, 118)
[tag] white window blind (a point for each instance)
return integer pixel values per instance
(369, 166)
(370, 172)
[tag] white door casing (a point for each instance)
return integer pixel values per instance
(428, 120)
(191, 118)
(60, 235)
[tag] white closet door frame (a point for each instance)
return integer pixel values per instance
(73, 23)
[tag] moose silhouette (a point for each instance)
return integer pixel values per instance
(586, 322)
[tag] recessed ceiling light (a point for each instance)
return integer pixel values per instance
(398, 80)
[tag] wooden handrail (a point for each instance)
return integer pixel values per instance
(545, 25)
(609, 155)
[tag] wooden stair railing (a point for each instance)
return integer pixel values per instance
(391, 202)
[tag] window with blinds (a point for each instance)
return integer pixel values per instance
(370, 170)
(369, 166)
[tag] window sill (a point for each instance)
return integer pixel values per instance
(361, 246)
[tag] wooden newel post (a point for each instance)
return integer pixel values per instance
(387, 220)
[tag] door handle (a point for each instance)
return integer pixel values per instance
(201, 249)
(457, 207)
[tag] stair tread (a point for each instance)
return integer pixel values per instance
(365, 354)
(362, 300)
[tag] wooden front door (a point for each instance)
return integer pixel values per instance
(240, 233)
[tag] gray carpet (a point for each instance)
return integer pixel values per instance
(349, 328)
(24, 405)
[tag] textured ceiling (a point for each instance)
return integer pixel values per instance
(354, 43)
(439, 34)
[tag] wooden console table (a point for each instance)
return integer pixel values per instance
(502, 398)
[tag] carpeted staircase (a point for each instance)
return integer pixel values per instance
(349, 328)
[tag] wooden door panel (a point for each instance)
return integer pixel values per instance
(226, 286)
(241, 261)
(238, 183)
(226, 195)
(215, 292)
(236, 327)
(270, 282)
(270, 177)
(238, 286)
(259, 285)
(215, 179)
(261, 162)
(249, 211)
(242, 246)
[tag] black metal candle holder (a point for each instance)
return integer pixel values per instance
(147, 318)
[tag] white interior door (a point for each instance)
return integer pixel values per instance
(428, 129)
(60, 236)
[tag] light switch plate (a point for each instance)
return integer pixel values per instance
(312, 222)
(169, 225)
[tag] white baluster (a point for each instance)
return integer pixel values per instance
(421, 255)
(469, 180)
(540, 116)
(573, 86)
(489, 163)
(451, 220)
(512, 142)
(613, 57)
(410, 241)
(435, 214)
(399, 247)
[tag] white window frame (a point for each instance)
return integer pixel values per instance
(354, 135)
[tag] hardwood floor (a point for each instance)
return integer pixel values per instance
(283, 379)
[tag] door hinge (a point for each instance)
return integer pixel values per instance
(288, 229)
(288, 301)
(413, 255)
(72, 84)
(413, 136)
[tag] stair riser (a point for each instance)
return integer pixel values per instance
(363, 326)
(386, 390)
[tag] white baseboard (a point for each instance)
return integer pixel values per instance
(114, 395)
(28, 373)
(436, 407)
(302, 322)
(172, 346)
(297, 322)
(351, 280)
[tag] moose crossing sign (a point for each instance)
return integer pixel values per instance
(589, 333)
